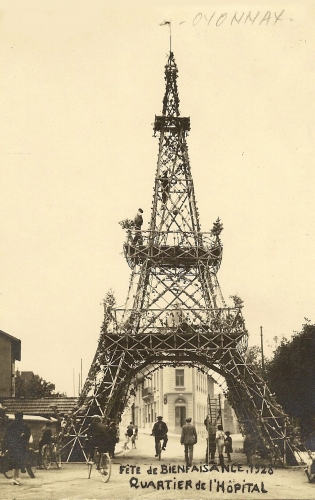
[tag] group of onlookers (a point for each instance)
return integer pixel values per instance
(217, 441)
(104, 436)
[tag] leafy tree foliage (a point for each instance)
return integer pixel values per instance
(253, 358)
(109, 303)
(291, 376)
(35, 387)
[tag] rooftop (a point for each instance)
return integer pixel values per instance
(39, 406)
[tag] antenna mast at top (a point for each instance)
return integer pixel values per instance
(169, 24)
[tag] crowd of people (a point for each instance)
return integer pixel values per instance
(217, 441)
(103, 434)
(17, 439)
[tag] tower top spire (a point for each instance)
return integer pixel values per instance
(171, 99)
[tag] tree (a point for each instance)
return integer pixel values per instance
(109, 303)
(35, 387)
(291, 376)
(253, 358)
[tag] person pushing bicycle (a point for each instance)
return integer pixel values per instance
(159, 431)
(46, 437)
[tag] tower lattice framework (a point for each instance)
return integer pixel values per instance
(175, 313)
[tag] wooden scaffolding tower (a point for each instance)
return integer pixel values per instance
(175, 313)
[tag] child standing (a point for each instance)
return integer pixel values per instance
(126, 447)
(228, 445)
(133, 441)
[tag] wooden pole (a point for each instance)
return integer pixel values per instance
(262, 350)
(285, 445)
(81, 376)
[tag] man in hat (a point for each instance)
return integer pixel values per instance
(138, 221)
(97, 436)
(15, 442)
(188, 439)
(159, 432)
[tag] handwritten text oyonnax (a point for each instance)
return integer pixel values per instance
(258, 18)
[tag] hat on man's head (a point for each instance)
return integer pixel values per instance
(19, 415)
(160, 418)
(97, 417)
(188, 419)
(140, 210)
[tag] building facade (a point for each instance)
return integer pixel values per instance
(229, 419)
(174, 393)
(10, 351)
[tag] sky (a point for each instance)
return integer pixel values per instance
(81, 82)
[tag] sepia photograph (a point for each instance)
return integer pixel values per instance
(157, 263)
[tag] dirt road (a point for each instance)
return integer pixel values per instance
(137, 474)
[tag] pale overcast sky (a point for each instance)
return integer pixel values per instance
(81, 82)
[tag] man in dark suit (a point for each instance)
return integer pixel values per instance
(160, 431)
(188, 439)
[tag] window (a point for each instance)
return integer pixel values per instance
(179, 378)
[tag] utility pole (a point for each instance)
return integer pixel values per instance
(262, 350)
(81, 377)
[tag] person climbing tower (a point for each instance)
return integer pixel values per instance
(138, 221)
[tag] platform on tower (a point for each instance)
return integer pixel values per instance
(173, 249)
(177, 328)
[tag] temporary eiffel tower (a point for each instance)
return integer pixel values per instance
(175, 313)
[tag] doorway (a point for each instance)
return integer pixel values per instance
(180, 416)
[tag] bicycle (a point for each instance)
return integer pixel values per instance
(30, 464)
(51, 453)
(5, 468)
(102, 463)
(159, 449)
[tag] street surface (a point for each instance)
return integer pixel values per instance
(129, 476)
